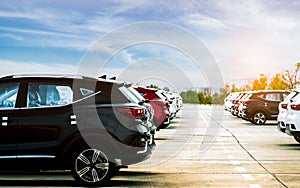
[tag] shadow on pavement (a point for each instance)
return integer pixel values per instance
(37, 183)
(290, 146)
(27, 179)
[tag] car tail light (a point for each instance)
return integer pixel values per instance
(134, 112)
(142, 142)
(167, 104)
(295, 107)
(284, 106)
(247, 102)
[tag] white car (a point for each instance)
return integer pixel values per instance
(178, 99)
(292, 121)
(283, 112)
(228, 101)
(172, 101)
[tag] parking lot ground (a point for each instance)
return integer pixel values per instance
(201, 150)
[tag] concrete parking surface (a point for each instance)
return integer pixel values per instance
(201, 148)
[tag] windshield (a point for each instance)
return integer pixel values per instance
(160, 95)
(294, 97)
(129, 95)
(136, 94)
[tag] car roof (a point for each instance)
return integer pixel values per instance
(59, 76)
(46, 75)
(147, 88)
(271, 91)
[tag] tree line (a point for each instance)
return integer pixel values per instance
(286, 80)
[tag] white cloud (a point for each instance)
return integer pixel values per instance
(247, 38)
(203, 22)
(14, 37)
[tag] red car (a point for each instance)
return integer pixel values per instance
(161, 106)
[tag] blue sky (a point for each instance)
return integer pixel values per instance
(246, 38)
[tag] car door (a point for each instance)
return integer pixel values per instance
(8, 118)
(45, 121)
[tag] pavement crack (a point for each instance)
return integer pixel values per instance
(245, 149)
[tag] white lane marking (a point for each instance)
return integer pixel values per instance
(231, 157)
(255, 186)
(223, 147)
(248, 177)
(226, 151)
(241, 169)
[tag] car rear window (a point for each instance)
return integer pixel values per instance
(291, 96)
(136, 94)
(296, 97)
(128, 95)
(160, 95)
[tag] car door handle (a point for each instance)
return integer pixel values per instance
(73, 119)
(5, 121)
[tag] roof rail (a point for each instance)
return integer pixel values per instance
(45, 75)
(103, 76)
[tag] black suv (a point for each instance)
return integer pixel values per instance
(260, 106)
(92, 127)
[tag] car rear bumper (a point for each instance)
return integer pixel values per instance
(291, 130)
(281, 126)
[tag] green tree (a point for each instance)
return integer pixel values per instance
(201, 98)
(208, 99)
(190, 96)
(166, 88)
(153, 86)
(217, 98)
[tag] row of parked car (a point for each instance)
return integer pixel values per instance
(255, 106)
(259, 106)
(92, 127)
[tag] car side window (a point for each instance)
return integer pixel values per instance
(85, 91)
(41, 95)
(273, 97)
(8, 95)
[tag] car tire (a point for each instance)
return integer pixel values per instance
(259, 118)
(91, 167)
(297, 138)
